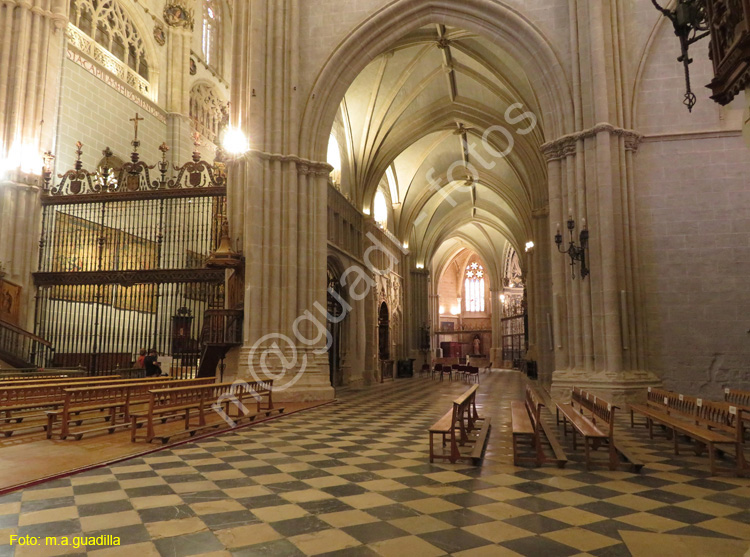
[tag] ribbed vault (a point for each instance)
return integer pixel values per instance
(442, 123)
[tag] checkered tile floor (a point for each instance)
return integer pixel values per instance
(353, 478)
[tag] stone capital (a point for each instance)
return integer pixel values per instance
(304, 166)
(565, 146)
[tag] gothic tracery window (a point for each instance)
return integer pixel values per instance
(212, 33)
(474, 288)
(107, 23)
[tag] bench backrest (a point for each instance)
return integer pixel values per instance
(738, 398)
(42, 374)
(54, 380)
(601, 410)
(716, 415)
(22, 394)
(534, 408)
(164, 399)
(124, 392)
(655, 397)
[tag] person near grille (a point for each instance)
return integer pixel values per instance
(152, 364)
(140, 362)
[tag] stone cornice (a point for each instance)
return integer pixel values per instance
(540, 212)
(304, 166)
(566, 145)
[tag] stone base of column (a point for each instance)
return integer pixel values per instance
(626, 386)
(496, 357)
(298, 374)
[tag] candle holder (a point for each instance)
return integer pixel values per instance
(576, 252)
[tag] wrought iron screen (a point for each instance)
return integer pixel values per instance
(514, 332)
(122, 266)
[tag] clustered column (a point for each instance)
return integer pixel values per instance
(279, 208)
(30, 65)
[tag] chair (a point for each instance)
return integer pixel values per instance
(425, 370)
(488, 368)
(448, 370)
(437, 369)
(472, 373)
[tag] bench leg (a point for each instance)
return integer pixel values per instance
(614, 459)
(712, 458)
(587, 451)
(50, 423)
(432, 450)
(150, 429)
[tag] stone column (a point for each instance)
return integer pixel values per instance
(279, 206)
(496, 306)
(30, 68)
(418, 315)
(598, 327)
(177, 98)
(434, 319)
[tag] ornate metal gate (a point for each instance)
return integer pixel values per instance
(122, 263)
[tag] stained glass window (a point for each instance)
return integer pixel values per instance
(474, 288)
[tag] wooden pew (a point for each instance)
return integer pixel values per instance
(715, 426)
(25, 403)
(461, 428)
(593, 436)
(587, 402)
(10, 375)
(740, 399)
(116, 400)
(53, 380)
(181, 402)
(527, 424)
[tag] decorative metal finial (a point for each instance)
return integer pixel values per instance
(689, 19)
(48, 157)
(135, 143)
(79, 151)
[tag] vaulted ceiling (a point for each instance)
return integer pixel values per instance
(437, 110)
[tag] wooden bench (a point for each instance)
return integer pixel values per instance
(737, 398)
(587, 402)
(713, 426)
(182, 402)
(717, 427)
(463, 429)
(112, 400)
(740, 399)
(13, 375)
(528, 425)
(54, 380)
(26, 403)
(593, 436)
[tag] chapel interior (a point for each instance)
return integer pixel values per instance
(375, 277)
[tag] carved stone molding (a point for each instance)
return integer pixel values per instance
(304, 166)
(540, 212)
(566, 145)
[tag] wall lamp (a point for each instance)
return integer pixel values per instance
(576, 252)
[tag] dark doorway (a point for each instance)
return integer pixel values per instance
(335, 310)
(384, 333)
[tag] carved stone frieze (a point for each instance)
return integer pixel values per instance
(566, 146)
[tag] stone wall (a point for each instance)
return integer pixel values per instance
(693, 223)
